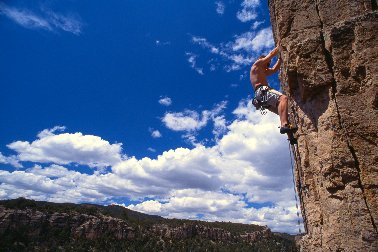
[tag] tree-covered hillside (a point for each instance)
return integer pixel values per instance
(27, 225)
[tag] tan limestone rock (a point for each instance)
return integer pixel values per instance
(330, 71)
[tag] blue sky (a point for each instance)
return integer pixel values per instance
(144, 104)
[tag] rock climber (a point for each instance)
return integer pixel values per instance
(266, 96)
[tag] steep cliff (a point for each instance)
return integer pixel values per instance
(330, 72)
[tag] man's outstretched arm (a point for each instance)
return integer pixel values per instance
(269, 57)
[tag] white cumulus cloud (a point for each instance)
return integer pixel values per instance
(185, 121)
(66, 148)
(263, 40)
(12, 160)
(191, 121)
(256, 24)
(50, 132)
(166, 101)
(248, 11)
(251, 41)
(218, 206)
(156, 134)
(244, 177)
(220, 7)
(240, 52)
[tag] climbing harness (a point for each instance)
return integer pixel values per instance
(261, 104)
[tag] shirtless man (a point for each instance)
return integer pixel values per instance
(277, 102)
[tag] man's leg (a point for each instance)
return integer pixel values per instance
(274, 98)
(283, 110)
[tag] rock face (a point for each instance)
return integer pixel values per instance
(330, 72)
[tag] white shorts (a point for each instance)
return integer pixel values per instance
(268, 95)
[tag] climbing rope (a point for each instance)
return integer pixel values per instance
(294, 152)
(298, 162)
(297, 159)
(295, 191)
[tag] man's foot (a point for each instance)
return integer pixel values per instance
(288, 128)
(293, 140)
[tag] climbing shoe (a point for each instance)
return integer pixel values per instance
(293, 141)
(288, 128)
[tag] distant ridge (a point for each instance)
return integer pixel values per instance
(28, 225)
